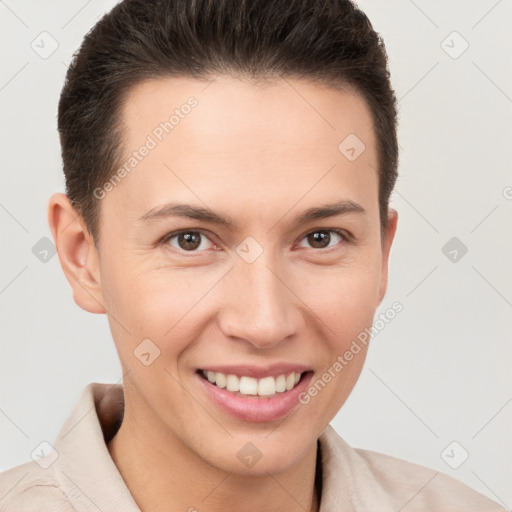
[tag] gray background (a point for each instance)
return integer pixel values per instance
(438, 373)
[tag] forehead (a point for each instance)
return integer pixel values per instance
(226, 105)
(235, 140)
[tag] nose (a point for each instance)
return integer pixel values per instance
(259, 306)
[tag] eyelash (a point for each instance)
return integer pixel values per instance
(344, 235)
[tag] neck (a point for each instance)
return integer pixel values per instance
(164, 474)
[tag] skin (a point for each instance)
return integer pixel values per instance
(258, 154)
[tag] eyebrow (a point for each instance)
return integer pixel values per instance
(205, 215)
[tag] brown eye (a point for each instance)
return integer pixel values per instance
(319, 239)
(322, 239)
(189, 241)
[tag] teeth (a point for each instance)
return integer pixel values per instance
(248, 386)
(220, 380)
(232, 383)
(281, 383)
(266, 386)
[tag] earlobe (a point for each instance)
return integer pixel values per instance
(387, 241)
(77, 253)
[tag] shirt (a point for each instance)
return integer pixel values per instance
(78, 474)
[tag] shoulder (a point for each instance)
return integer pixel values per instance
(388, 483)
(27, 488)
(423, 488)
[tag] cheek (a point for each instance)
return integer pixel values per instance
(344, 298)
(344, 301)
(156, 304)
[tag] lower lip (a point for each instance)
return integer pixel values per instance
(256, 409)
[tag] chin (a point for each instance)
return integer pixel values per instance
(258, 456)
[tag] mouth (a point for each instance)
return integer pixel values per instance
(254, 395)
(245, 385)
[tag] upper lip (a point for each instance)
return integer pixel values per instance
(258, 372)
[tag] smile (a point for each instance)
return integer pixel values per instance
(250, 386)
(255, 394)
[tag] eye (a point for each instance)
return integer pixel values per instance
(189, 241)
(322, 239)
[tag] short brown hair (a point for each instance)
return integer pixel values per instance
(326, 41)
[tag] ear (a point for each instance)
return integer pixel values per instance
(77, 253)
(387, 240)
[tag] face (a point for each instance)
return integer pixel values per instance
(244, 243)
